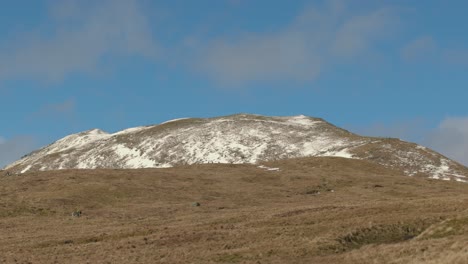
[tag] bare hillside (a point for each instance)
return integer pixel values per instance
(307, 210)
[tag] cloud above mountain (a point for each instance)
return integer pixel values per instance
(12, 149)
(420, 49)
(451, 138)
(76, 39)
(318, 38)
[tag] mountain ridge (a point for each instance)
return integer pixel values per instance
(239, 138)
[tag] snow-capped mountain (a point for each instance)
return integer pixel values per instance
(241, 138)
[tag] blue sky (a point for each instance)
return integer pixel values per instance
(384, 68)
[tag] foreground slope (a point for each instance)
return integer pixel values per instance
(233, 139)
(309, 210)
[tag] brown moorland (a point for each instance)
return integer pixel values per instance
(313, 210)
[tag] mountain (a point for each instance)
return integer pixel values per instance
(241, 138)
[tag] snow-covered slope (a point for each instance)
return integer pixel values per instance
(233, 139)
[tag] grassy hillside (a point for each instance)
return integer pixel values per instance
(313, 210)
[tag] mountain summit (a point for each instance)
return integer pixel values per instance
(241, 138)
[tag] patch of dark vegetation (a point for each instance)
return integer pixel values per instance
(379, 234)
(99, 238)
(312, 191)
(76, 213)
(324, 186)
(450, 227)
(6, 173)
(23, 209)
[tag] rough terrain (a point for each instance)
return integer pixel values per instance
(307, 210)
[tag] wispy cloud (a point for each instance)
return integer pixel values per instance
(456, 56)
(316, 39)
(425, 49)
(358, 34)
(80, 34)
(12, 149)
(420, 49)
(451, 138)
(65, 107)
(60, 114)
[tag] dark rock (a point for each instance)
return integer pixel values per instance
(76, 214)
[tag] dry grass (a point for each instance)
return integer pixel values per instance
(315, 210)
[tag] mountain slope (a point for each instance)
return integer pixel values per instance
(233, 139)
(313, 210)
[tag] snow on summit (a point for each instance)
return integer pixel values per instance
(236, 139)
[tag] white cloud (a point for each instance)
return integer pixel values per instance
(81, 34)
(458, 57)
(451, 139)
(12, 149)
(257, 58)
(316, 38)
(61, 114)
(358, 34)
(425, 49)
(65, 107)
(421, 48)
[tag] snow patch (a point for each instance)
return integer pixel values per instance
(438, 172)
(268, 168)
(133, 158)
(173, 120)
(302, 120)
(131, 130)
(26, 169)
(77, 140)
(443, 171)
(341, 153)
